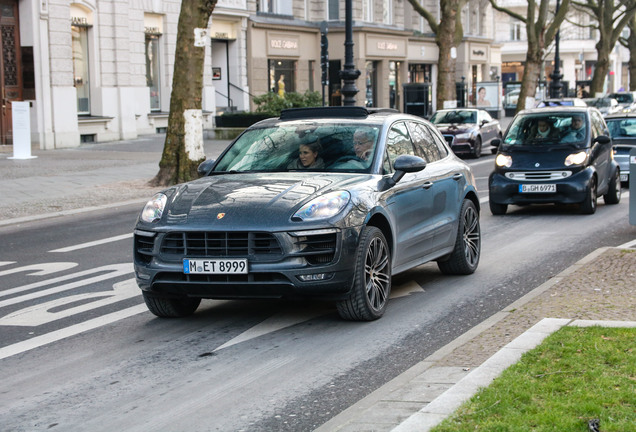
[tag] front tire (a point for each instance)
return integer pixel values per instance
(372, 281)
(464, 258)
(498, 209)
(477, 148)
(165, 307)
(613, 195)
(588, 206)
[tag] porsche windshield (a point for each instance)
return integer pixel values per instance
(302, 146)
(554, 129)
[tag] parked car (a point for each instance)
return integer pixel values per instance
(626, 99)
(605, 105)
(622, 128)
(565, 164)
(560, 102)
(467, 130)
(382, 194)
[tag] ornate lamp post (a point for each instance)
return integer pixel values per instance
(349, 74)
(556, 75)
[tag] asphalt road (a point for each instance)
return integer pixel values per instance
(97, 360)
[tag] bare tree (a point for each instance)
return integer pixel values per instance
(183, 148)
(630, 44)
(448, 34)
(610, 18)
(541, 28)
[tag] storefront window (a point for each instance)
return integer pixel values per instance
(371, 84)
(282, 76)
(394, 84)
(419, 73)
(80, 68)
(152, 70)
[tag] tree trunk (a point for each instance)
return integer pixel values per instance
(446, 90)
(602, 68)
(531, 75)
(183, 148)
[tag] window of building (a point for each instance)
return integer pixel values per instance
(367, 10)
(515, 30)
(419, 73)
(333, 11)
(280, 7)
(81, 79)
(387, 11)
(152, 71)
(282, 76)
(371, 80)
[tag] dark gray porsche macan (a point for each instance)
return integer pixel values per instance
(295, 208)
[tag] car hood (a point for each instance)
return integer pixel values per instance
(245, 200)
(454, 129)
(540, 161)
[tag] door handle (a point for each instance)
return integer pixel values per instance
(458, 176)
(427, 185)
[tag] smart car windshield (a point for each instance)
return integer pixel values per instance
(295, 146)
(454, 116)
(554, 129)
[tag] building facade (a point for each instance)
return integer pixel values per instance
(100, 70)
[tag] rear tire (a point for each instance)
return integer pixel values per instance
(588, 206)
(477, 148)
(613, 195)
(372, 281)
(464, 258)
(165, 307)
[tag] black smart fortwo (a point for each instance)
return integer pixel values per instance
(320, 203)
(555, 155)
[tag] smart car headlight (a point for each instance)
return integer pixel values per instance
(154, 208)
(323, 207)
(503, 160)
(576, 158)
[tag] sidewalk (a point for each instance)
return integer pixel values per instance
(114, 174)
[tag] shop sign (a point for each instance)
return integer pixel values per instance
(281, 44)
(478, 52)
(385, 47)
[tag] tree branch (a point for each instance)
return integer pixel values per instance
(507, 11)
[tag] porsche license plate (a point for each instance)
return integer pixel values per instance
(537, 188)
(215, 266)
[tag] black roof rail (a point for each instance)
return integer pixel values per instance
(324, 112)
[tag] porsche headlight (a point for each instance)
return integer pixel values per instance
(576, 158)
(153, 210)
(323, 207)
(503, 160)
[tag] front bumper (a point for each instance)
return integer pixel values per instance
(273, 271)
(571, 190)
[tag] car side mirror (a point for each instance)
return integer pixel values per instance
(404, 164)
(603, 139)
(205, 167)
(483, 122)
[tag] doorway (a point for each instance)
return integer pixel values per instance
(10, 66)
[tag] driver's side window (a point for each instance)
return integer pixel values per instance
(398, 143)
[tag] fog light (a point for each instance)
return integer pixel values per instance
(315, 277)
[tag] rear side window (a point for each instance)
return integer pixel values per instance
(398, 143)
(426, 146)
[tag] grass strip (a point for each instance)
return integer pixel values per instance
(575, 376)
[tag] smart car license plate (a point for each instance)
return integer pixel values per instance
(215, 266)
(537, 188)
(624, 177)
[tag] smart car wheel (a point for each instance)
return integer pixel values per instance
(477, 148)
(613, 195)
(372, 282)
(464, 258)
(165, 307)
(588, 206)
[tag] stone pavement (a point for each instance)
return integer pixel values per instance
(601, 288)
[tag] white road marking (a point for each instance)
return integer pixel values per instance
(39, 314)
(3, 263)
(627, 245)
(93, 243)
(73, 330)
(113, 270)
(44, 268)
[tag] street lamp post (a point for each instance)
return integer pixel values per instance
(556, 75)
(349, 74)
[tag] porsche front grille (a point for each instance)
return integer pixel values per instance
(220, 244)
